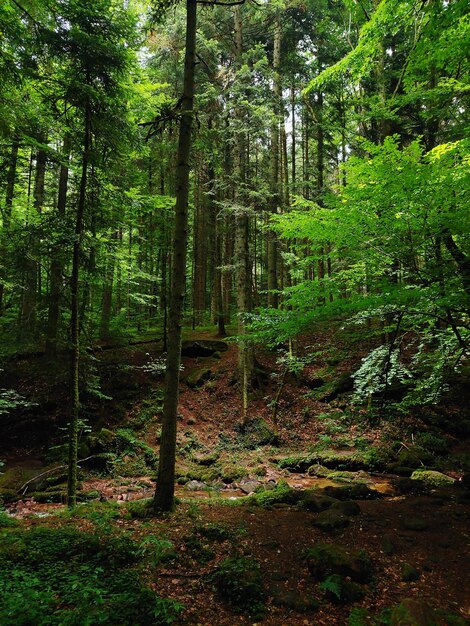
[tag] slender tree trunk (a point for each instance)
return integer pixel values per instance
(164, 494)
(75, 323)
(57, 263)
(273, 298)
(10, 192)
(33, 268)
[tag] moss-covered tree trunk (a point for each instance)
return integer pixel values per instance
(164, 494)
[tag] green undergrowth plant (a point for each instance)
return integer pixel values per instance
(238, 581)
(58, 576)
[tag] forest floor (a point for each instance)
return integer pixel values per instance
(416, 537)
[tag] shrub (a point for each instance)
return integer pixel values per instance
(238, 581)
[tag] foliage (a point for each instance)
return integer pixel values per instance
(238, 580)
(62, 576)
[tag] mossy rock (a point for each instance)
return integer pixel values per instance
(53, 496)
(346, 507)
(256, 433)
(206, 459)
(330, 520)
(281, 494)
(414, 457)
(407, 485)
(416, 612)
(9, 495)
(409, 573)
(87, 496)
(312, 500)
(318, 470)
(340, 590)
(103, 441)
(198, 377)
(327, 559)
(399, 469)
(355, 491)
(432, 479)
(15, 477)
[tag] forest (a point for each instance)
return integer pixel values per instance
(234, 312)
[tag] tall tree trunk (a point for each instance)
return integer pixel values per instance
(74, 322)
(10, 192)
(164, 494)
(273, 298)
(242, 253)
(57, 262)
(32, 273)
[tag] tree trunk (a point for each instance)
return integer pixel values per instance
(10, 192)
(74, 322)
(57, 263)
(273, 298)
(164, 494)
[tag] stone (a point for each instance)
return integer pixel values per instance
(432, 479)
(409, 573)
(331, 520)
(198, 377)
(249, 486)
(292, 600)
(206, 459)
(327, 559)
(195, 485)
(202, 347)
(416, 612)
(347, 507)
(318, 470)
(407, 485)
(313, 501)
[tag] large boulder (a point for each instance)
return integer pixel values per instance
(331, 519)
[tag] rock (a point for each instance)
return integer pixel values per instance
(414, 457)
(250, 486)
(292, 600)
(416, 612)
(318, 470)
(407, 485)
(409, 573)
(340, 590)
(387, 544)
(346, 507)
(399, 469)
(206, 459)
(331, 520)
(195, 485)
(202, 347)
(327, 559)
(313, 501)
(358, 491)
(432, 479)
(198, 377)
(415, 523)
(343, 384)
(191, 421)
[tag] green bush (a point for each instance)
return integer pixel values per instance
(238, 581)
(63, 576)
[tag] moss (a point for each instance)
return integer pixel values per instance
(432, 479)
(198, 377)
(281, 494)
